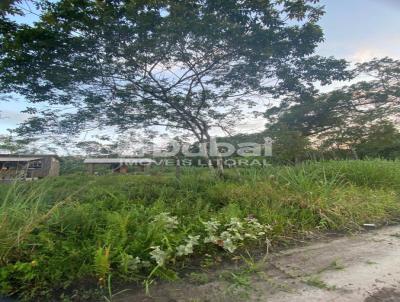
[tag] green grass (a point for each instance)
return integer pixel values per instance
(85, 232)
(316, 281)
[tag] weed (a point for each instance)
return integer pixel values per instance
(109, 297)
(58, 235)
(239, 283)
(198, 278)
(316, 281)
(334, 265)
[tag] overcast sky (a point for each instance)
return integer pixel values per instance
(357, 30)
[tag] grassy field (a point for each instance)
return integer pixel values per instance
(80, 235)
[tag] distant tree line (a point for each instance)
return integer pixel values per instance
(356, 121)
(193, 66)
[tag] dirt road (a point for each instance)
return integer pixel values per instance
(363, 267)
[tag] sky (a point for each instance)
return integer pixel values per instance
(359, 30)
(356, 30)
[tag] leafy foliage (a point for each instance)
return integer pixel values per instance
(60, 235)
(347, 116)
(179, 64)
(10, 143)
(382, 140)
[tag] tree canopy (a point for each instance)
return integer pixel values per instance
(188, 65)
(346, 116)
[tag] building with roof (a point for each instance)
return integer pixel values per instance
(15, 166)
(117, 165)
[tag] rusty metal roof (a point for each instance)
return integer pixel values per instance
(18, 159)
(16, 155)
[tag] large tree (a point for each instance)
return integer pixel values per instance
(189, 65)
(344, 117)
(11, 144)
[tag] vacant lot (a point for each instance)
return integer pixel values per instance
(354, 268)
(81, 237)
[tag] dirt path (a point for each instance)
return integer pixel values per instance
(364, 267)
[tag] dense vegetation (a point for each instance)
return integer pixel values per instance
(78, 235)
(191, 66)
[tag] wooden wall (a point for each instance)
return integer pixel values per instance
(50, 167)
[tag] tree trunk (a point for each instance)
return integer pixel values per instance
(177, 168)
(209, 160)
(354, 154)
(220, 166)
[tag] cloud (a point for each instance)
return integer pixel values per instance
(386, 47)
(11, 116)
(10, 119)
(363, 55)
(368, 53)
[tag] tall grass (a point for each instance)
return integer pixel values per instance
(60, 234)
(22, 209)
(20, 212)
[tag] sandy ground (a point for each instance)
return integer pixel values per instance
(363, 267)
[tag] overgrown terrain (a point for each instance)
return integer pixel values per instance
(77, 236)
